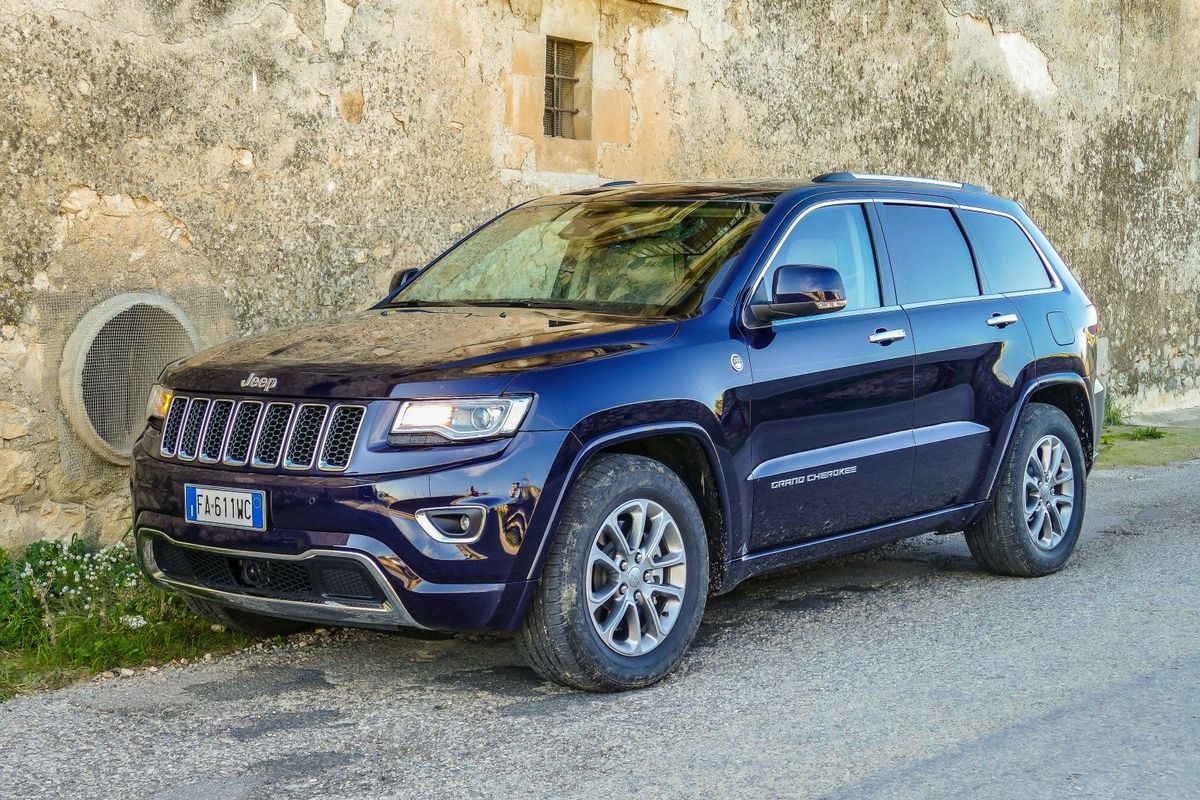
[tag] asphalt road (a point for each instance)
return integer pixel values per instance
(902, 673)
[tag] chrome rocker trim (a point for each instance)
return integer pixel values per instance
(391, 614)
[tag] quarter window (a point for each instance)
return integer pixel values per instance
(1006, 257)
(930, 257)
(837, 237)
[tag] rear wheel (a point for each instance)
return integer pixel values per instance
(242, 621)
(1037, 512)
(625, 581)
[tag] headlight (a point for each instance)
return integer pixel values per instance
(158, 402)
(459, 420)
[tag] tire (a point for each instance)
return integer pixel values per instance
(561, 635)
(1003, 542)
(243, 621)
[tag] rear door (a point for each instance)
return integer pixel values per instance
(970, 350)
(831, 409)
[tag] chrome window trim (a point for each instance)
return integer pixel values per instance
(253, 431)
(1053, 273)
(762, 273)
(322, 465)
(858, 312)
(841, 201)
(255, 461)
(321, 425)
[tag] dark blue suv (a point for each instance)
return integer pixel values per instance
(602, 407)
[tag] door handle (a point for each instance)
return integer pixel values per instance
(999, 320)
(886, 337)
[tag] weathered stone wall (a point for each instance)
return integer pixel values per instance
(266, 162)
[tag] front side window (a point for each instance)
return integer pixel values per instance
(833, 236)
(930, 257)
(639, 258)
(1006, 256)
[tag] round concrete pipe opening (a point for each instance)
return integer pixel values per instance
(111, 360)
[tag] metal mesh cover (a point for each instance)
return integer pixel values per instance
(305, 433)
(110, 362)
(270, 435)
(339, 442)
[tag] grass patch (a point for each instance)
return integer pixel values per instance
(68, 611)
(1114, 415)
(1127, 446)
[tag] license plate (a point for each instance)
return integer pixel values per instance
(232, 508)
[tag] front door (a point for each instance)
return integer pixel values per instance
(832, 401)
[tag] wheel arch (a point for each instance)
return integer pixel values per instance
(1067, 391)
(688, 449)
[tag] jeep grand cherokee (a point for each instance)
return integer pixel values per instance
(602, 407)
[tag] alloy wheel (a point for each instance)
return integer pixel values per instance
(1049, 492)
(636, 577)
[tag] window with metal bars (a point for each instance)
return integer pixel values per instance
(559, 117)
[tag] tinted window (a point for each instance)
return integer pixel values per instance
(930, 258)
(1006, 257)
(834, 236)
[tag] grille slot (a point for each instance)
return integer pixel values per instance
(241, 433)
(261, 434)
(313, 580)
(189, 439)
(172, 425)
(339, 441)
(271, 434)
(214, 433)
(302, 445)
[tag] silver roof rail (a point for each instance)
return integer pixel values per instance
(840, 177)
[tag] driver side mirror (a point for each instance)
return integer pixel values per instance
(401, 279)
(802, 290)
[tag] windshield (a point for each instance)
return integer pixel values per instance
(646, 259)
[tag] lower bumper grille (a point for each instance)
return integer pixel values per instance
(313, 580)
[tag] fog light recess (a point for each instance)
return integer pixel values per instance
(453, 524)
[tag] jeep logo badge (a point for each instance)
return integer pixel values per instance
(257, 382)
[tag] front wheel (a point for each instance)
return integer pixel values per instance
(1037, 512)
(625, 581)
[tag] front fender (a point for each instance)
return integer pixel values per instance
(623, 424)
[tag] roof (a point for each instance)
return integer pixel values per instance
(769, 190)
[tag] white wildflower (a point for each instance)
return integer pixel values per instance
(133, 622)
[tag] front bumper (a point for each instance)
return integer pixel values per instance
(385, 612)
(369, 521)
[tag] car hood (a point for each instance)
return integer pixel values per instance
(410, 352)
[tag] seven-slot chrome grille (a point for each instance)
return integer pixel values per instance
(263, 434)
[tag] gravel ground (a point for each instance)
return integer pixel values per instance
(902, 673)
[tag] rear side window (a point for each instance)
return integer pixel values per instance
(1006, 257)
(838, 237)
(930, 257)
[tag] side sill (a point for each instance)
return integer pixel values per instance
(944, 520)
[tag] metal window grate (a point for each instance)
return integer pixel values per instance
(559, 116)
